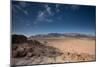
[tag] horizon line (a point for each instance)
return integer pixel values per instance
(54, 32)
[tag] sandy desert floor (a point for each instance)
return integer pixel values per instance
(73, 49)
(73, 45)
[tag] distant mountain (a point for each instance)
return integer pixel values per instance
(61, 35)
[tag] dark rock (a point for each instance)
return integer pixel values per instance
(19, 39)
(21, 47)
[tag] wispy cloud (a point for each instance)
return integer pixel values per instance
(14, 9)
(25, 12)
(48, 9)
(42, 16)
(57, 8)
(46, 15)
(17, 8)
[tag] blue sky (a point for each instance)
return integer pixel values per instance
(31, 18)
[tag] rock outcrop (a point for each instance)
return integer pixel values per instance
(22, 47)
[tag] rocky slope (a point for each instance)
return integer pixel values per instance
(23, 49)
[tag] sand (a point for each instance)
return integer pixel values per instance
(73, 49)
(74, 45)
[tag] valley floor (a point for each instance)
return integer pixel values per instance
(73, 49)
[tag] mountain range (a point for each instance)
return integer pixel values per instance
(62, 35)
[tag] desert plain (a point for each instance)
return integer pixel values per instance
(71, 50)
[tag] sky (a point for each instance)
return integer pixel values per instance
(32, 18)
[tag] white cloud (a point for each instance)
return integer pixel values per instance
(45, 15)
(25, 12)
(48, 9)
(42, 16)
(16, 9)
(57, 8)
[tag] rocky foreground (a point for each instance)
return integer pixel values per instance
(28, 52)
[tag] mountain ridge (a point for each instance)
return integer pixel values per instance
(62, 35)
